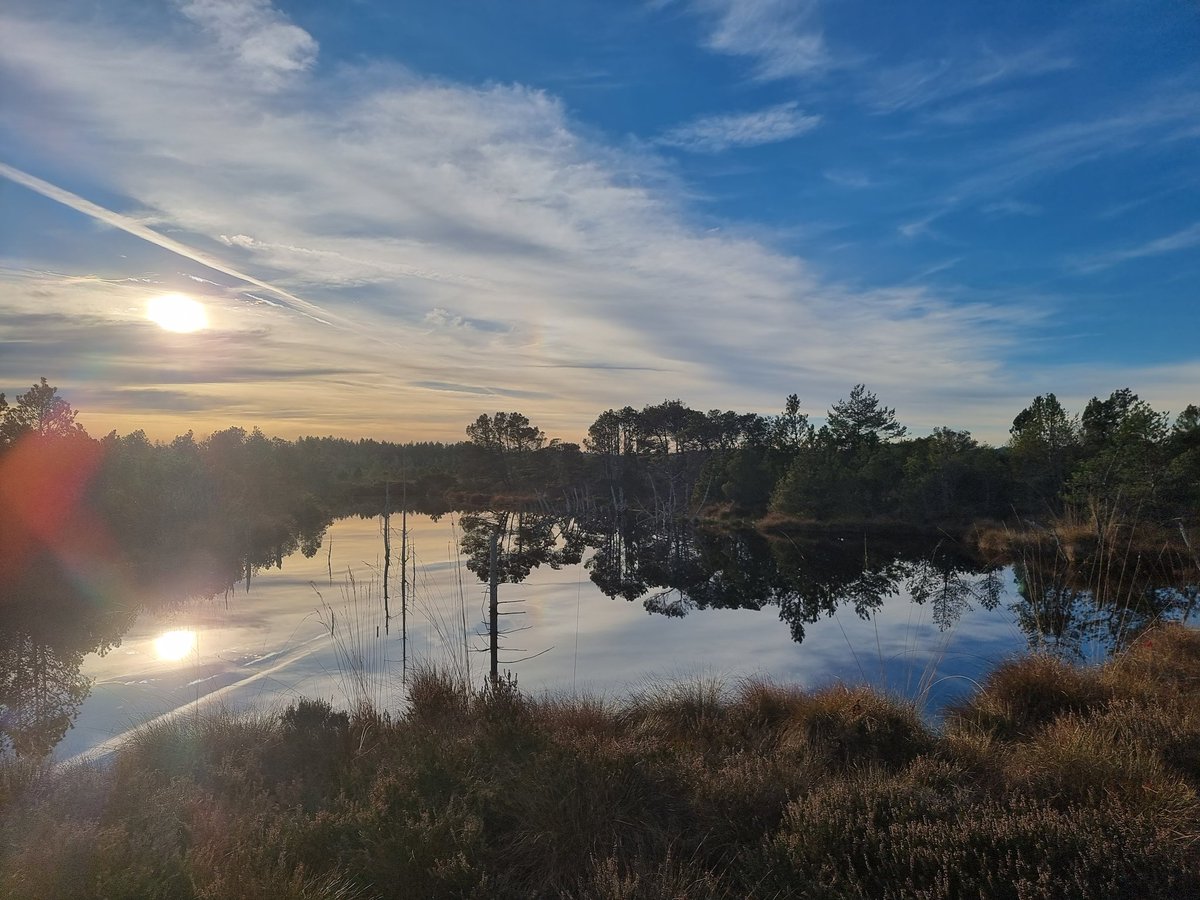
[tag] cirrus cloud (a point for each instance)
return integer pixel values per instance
(378, 196)
(714, 134)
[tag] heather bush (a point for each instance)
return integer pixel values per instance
(1052, 782)
(896, 837)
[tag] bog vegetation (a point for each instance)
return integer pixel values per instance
(1049, 782)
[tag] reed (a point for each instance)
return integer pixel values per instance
(359, 639)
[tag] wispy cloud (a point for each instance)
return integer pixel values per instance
(937, 268)
(986, 175)
(256, 36)
(482, 391)
(848, 178)
(476, 234)
(1184, 239)
(1156, 118)
(1011, 207)
(714, 134)
(129, 225)
(921, 226)
(926, 81)
(782, 37)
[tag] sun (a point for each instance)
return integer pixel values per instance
(173, 646)
(177, 312)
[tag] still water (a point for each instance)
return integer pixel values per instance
(597, 604)
(315, 627)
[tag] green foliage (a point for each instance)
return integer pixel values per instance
(948, 476)
(746, 478)
(1118, 460)
(862, 422)
(848, 469)
(38, 411)
(791, 430)
(1123, 442)
(1043, 447)
(505, 432)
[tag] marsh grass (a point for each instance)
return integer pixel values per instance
(358, 637)
(1051, 782)
(1092, 583)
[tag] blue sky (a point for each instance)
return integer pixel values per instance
(402, 215)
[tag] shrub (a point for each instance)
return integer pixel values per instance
(437, 698)
(688, 711)
(896, 837)
(1075, 760)
(1164, 662)
(1053, 782)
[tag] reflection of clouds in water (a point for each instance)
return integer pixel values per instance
(266, 648)
(619, 644)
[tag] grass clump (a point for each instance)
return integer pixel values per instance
(859, 727)
(1022, 695)
(1051, 782)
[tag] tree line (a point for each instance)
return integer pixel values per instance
(1117, 458)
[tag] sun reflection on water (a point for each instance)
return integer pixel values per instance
(173, 646)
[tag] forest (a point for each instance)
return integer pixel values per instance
(1118, 459)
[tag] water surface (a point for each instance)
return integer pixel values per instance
(674, 605)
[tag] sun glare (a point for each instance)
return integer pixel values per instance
(177, 312)
(173, 646)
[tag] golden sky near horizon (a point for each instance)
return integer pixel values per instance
(386, 248)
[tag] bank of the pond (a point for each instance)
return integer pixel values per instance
(1051, 781)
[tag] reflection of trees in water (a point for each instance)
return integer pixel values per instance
(823, 574)
(1073, 602)
(951, 591)
(673, 569)
(504, 547)
(51, 620)
(1078, 605)
(43, 640)
(525, 541)
(41, 692)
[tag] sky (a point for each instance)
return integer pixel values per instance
(400, 216)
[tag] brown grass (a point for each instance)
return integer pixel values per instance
(1052, 781)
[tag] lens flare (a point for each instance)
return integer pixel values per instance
(173, 646)
(178, 313)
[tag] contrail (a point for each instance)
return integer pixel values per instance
(128, 225)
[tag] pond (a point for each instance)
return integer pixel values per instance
(633, 603)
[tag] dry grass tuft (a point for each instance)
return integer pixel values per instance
(1022, 695)
(1165, 659)
(437, 697)
(859, 727)
(1053, 782)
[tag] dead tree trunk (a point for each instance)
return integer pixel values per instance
(494, 607)
(404, 585)
(387, 554)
